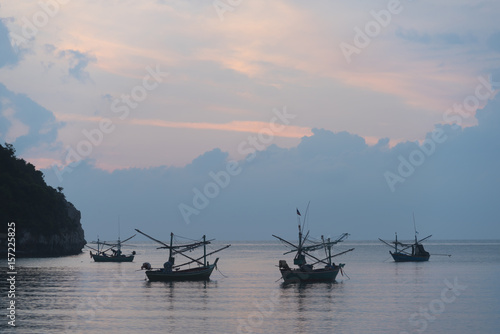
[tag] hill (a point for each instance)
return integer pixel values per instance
(46, 224)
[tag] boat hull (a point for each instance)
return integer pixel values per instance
(400, 257)
(316, 275)
(196, 274)
(123, 258)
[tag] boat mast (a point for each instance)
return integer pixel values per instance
(299, 257)
(415, 228)
(300, 238)
(396, 243)
(119, 243)
(300, 231)
(329, 253)
(170, 249)
(323, 240)
(329, 247)
(299, 249)
(204, 252)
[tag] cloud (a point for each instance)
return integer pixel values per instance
(236, 126)
(78, 62)
(225, 79)
(494, 41)
(24, 123)
(413, 36)
(441, 39)
(453, 193)
(261, 56)
(7, 54)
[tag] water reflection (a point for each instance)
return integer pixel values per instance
(304, 285)
(177, 302)
(180, 292)
(201, 285)
(57, 295)
(48, 295)
(307, 303)
(409, 272)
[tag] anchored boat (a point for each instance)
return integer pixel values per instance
(305, 272)
(172, 272)
(403, 254)
(116, 255)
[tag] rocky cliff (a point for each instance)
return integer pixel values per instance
(68, 240)
(46, 224)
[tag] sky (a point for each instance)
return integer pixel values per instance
(222, 117)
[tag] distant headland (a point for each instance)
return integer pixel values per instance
(46, 224)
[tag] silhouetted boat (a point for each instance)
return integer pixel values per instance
(403, 254)
(172, 272)
(305, 272)
(116, 255)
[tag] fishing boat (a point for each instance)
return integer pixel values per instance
(113, 251)
(403, 254)
(305, 272)
(173, 272)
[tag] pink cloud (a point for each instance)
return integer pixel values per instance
(288, 131)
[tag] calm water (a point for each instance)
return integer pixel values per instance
(460, 294)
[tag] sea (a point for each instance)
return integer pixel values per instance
(448, 294)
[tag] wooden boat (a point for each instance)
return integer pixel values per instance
(195, 274)
(172, 272)
(417, 254)
(116, 255)
(306, 273)
(403, 254)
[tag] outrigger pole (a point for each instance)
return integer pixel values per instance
(173, 249)
(330, 256)
(118, 244)
(195, 260)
